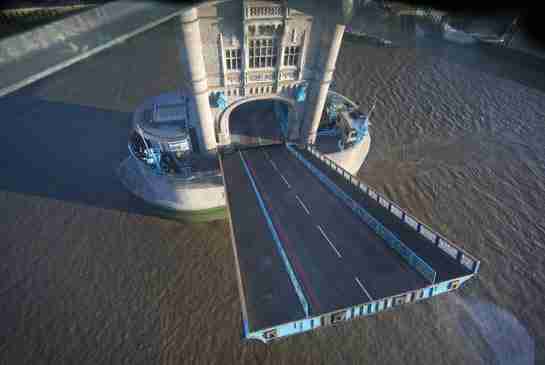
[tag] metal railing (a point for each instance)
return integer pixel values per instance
(450, 249)
(192, 177)
(390, 238)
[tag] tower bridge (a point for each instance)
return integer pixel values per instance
(313, 245)
(258, 130)
(236, 53)
(239, 51)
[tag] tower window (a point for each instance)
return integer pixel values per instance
(291, 55)
(233, 59)
(262, 52)
(293, 35)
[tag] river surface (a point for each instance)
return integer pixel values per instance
(88, 275)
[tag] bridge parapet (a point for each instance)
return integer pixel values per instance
(390, 238)
(430, 236)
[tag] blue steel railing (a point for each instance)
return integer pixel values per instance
(450, 249)
(358, 310)
(391, 239)
(193, 177)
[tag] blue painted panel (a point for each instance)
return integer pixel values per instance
(357, 311)
(287, 329)
(448, 247)
(282, 114)
(301, 93)
(245, 328)
(441, 288)
(366, 309)
(221, 100)
(306, 325)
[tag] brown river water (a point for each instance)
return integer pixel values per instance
(89, 276)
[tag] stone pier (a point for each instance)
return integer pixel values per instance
(319, 85)
(192, 48)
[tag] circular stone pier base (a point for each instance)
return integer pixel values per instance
(201, 195)
(193, 202)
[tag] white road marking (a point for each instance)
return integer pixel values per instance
(363, 288)
(302, 204)
(328, 241)
(286, 181)
(276, 169)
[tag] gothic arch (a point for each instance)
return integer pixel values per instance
(222, 123)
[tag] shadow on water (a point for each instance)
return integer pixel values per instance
(66, 152)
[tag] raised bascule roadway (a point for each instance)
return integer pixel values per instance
(306, 255)
(313, 245)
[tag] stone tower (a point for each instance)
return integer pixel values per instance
(249, 49)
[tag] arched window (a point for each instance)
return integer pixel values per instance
(293, 35)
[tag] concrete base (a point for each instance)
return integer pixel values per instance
(352, 158)
(202, 200)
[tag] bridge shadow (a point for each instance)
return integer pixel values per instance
(66, 152)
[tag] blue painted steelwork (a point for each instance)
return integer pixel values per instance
(281, 111)
(331, 111)
(391, 239)
(153, 155)
(221, 100)
(433, 238)
(356, 311)
(301, 93)
(362, 129)
(328, 132)
(245, 328)
(293, 278)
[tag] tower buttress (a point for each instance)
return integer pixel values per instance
(196, 71)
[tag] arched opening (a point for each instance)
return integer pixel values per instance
(263, 121)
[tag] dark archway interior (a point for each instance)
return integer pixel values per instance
(256, 122)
